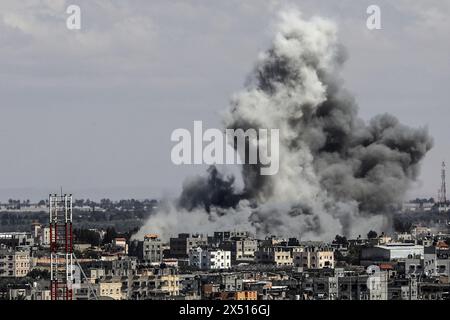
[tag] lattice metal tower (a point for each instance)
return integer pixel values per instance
(61, 246)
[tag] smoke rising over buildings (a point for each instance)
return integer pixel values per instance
(338, 174)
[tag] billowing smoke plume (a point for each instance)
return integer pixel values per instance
(338, 174)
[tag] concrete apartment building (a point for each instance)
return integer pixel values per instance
(320, 288)
(14, 263)
(280, 256)
(314, 258)
(363, 287)
(230, 235)
(209, 259)
(111, 289)
(159, 284)
(245, 250)
(435, 262)
(45, 236)
(403, 289)
(21, 263)
(153, 284)
(390, 252)
(104, 288)
(184, 243)
(152, 249)
(231, 282)
(17, 239)
(439, 260)
(123, 266)
(242, 251)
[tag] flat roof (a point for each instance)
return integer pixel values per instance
(400, 246)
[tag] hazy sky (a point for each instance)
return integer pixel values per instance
(93, 110)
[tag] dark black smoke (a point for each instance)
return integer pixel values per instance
(214, 190)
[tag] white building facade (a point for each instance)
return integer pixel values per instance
(207, 259)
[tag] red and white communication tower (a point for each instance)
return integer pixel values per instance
(442, 197)
(61, 246)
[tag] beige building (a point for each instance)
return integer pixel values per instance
(45, 236)
(170, 284)
(280, 256)
(21, 263)
(111, 290)
(14, 263)
(314, 258)
(154, 283)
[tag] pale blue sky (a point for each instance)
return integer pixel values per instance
(93, 110)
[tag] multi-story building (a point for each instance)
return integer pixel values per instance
(280, 256)
(363, 287)
(36, 229)
(436, 261)
(96, 273)
(320, 288)
(17, 239)
(230, 235)
(45, 236)
(111, 288)
(403, 289)
(184, 243)
(434, 291)
(231, 282)
(86, 291)
(314, 258)
(124, 266)
(152, 249)
(156, 284)
(390, 252)
(190, 286)
(209, 259)
(14, 263)
(242, 250)
(21, 263)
